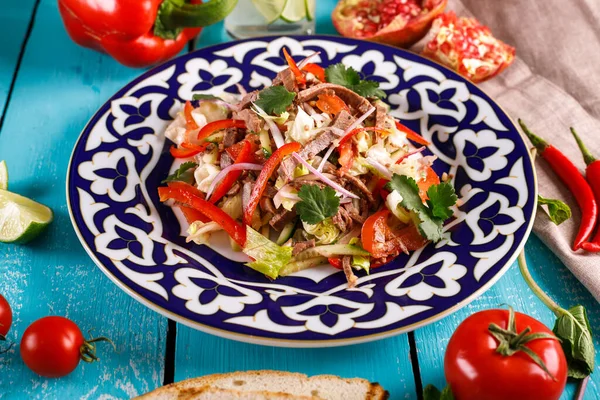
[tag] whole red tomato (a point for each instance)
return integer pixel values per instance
(5, 317)
(52, 347)
(475, 369)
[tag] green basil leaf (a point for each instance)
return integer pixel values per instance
(575, 333)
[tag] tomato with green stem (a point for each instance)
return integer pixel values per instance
(53, 346)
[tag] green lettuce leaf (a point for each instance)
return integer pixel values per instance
(268, 257)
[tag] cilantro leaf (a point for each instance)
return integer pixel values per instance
(431, 217)
(274, 99)
(317, 204)
(183, 173)
(432, 393)
(349, 78)
(204, 96)
(558, 211)
(441, 198)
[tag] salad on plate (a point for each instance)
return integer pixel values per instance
(309, 171)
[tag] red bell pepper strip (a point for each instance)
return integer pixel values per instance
(188, 195)
(573, 179)
(182, 152)
(332, 104)
(300, 78)
(316, 70)
(263, 178)
(215, 126)
(190, 122)
(189, 149)
(592, 173)
(192, 215)
(139, 33)
(245, 155)
(411, 135)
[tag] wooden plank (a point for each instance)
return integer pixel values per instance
(58, 87)
(386, 361)
(551, 275)
(14, 20)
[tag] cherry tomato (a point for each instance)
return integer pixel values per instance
(5, 317)
(52, 347)
(476, 370)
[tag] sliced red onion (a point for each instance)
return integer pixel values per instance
(275, 132)
(323, 178)
(410, 153)
(356, 123)
(309, 109)
(225, 171)
(380, 168)
(325, 158)
(241, 89)
(302, 63)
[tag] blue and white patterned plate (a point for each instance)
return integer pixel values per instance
(122, 156)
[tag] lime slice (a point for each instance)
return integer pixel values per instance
(310, 9)
(294, 11)
(270, 9)
(3, 175)
(21, 219)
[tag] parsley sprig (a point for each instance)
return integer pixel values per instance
(349, 78)
(317, 204)
(431, 216)
(183, 173)
(274, 99)
(558, 211)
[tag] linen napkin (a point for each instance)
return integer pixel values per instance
(553, 84)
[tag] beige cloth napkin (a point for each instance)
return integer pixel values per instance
(553, 84)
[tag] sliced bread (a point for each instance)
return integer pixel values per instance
(274, 383)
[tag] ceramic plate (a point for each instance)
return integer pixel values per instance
(122, 156)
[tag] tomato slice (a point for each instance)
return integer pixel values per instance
(190, 123)
(188, 195)
(411, 238)
(300, 78)
(332, 104)
(263, 178)
(431, 178)
(376, 228)
(347, 155)
(245, 155)
(316, 70)
(335, 262)
(411, 135)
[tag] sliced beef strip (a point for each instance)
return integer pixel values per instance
(360, 185)
(266, 204)
(287, 79)
(281, 219)
(225, 160)
(343, 120)
(347, 265)
(380, 114)
(354, 213)
(342, 220)
(299, 182)
(253, 122)
(234, 189)
(248, 99)
(232, 136)
(270, 192)
(301, 246)
(311, 149)
(351, 98)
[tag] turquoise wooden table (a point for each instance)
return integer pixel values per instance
(49, 88)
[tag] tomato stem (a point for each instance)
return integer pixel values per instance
(87, 351)
(551, 304)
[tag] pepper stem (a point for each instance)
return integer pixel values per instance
(537, 141)
(551, 304)
(176, 14)
(588, 157)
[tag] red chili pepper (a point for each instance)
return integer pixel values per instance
(573, 179)
(245, 155)
(316, 70)
(263, 178)
(592, 173)
(139, 33)
(188, 195)
(411, 135)
(300, 78)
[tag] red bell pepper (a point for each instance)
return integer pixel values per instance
(188, 195)
(245, 155)
(190, 122)
(316, 70)
(189, 149)
(192, 215)
(139, 33)
(263, 178)
(216, 126)
(300, 78)
(411, 135)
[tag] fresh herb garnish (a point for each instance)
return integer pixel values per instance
(203, 96)
(274, 99)
(317, 204)
(573, 329)
(183, 173)
(431, 215)
(558, 211)
(349, 78)
(432, 393)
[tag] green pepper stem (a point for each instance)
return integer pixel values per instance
(588, 157)
(551, 304)
(537, 141)
(175, 14)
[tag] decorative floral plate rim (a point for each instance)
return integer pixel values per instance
(150, 96)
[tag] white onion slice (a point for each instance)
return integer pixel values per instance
(233, 167)
(323, 178)
(302, 63)
(410, 153)
(380, 167)
(275, 132)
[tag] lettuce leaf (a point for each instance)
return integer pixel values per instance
(268, 257)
